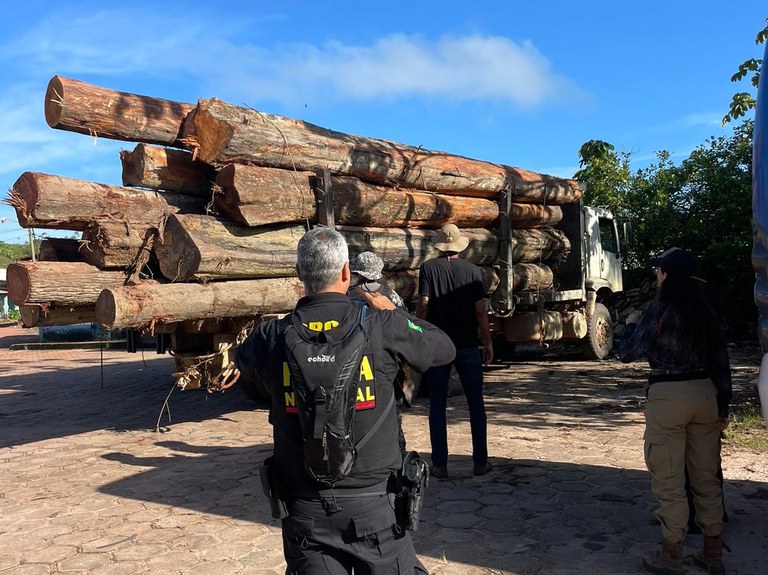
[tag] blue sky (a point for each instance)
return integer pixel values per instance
(518, 83)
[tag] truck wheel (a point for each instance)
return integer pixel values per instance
(599, 340)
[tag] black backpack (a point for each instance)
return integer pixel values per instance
(325, 377)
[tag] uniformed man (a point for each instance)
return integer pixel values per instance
(350, 525)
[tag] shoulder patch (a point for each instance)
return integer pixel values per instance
(415, 327)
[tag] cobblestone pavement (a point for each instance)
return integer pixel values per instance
(90, 485)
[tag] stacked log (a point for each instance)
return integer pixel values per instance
(215, 198)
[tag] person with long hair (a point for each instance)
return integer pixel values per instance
(688, 397)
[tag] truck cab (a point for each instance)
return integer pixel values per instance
(576, 307)
(602, 254)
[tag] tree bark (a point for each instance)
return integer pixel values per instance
(58, 283)
(60, 250)
(228, 133)
(39, 316)
(526, 277)
(205, 248)
(144, 305)
(47, 201)
(75, 106)
(115, 245)
(257, 196)
(534, 216)
(166, 169)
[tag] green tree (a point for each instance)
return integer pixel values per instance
(743, 102)
(605, 173)
(12, 252)
(703, 204)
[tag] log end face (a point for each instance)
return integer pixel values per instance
(132, 170)
(176, 253)
(19, 284)
(213, 135)
(54, 101)
(30, 315)
(106, 310)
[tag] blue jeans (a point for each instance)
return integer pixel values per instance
(469, 366)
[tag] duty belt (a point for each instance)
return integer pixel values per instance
(675, 375)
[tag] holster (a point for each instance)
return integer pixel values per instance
(411, 487)
(271, 487)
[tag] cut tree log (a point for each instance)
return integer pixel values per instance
(60, 250)
(108, 244)
(151, 305)
(231, 134)
(147, 305)
(526, 277)
(75, 106)
(58, 283)
(166, 169)
(258, 196)
(40, 316)
(48, 201)
(202, 248)
(534, 216)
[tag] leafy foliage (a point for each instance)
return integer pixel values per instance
(12, 252)
(607, 173)
(703, 205)
(743, 102)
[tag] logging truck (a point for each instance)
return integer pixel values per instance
(200, 240)
(578, 305)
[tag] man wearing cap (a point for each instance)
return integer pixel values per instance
(452, 297)
(688, 395)
(366, 272)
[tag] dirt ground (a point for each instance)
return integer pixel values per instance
(88, 485)
(624, 388)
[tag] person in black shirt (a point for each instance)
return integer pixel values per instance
(452, 296)
(688, 401)
(350, 525)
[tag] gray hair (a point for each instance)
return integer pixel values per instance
(320, 256)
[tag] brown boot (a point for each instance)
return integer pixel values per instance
(711, 557)
(668, 561)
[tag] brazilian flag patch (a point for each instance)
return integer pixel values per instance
(415, 327)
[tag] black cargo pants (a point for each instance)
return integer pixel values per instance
(362, 535)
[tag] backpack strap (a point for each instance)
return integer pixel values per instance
(366, 438)
(379, 421)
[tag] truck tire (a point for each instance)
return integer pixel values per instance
(599, 340)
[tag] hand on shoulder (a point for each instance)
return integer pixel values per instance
(378, 301)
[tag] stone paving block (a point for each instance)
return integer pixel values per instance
(86, 457)
(30, 569)
(84, 562)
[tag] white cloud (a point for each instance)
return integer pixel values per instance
(479, 68)
(185, 45)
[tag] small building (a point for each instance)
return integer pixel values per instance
(6, 305)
